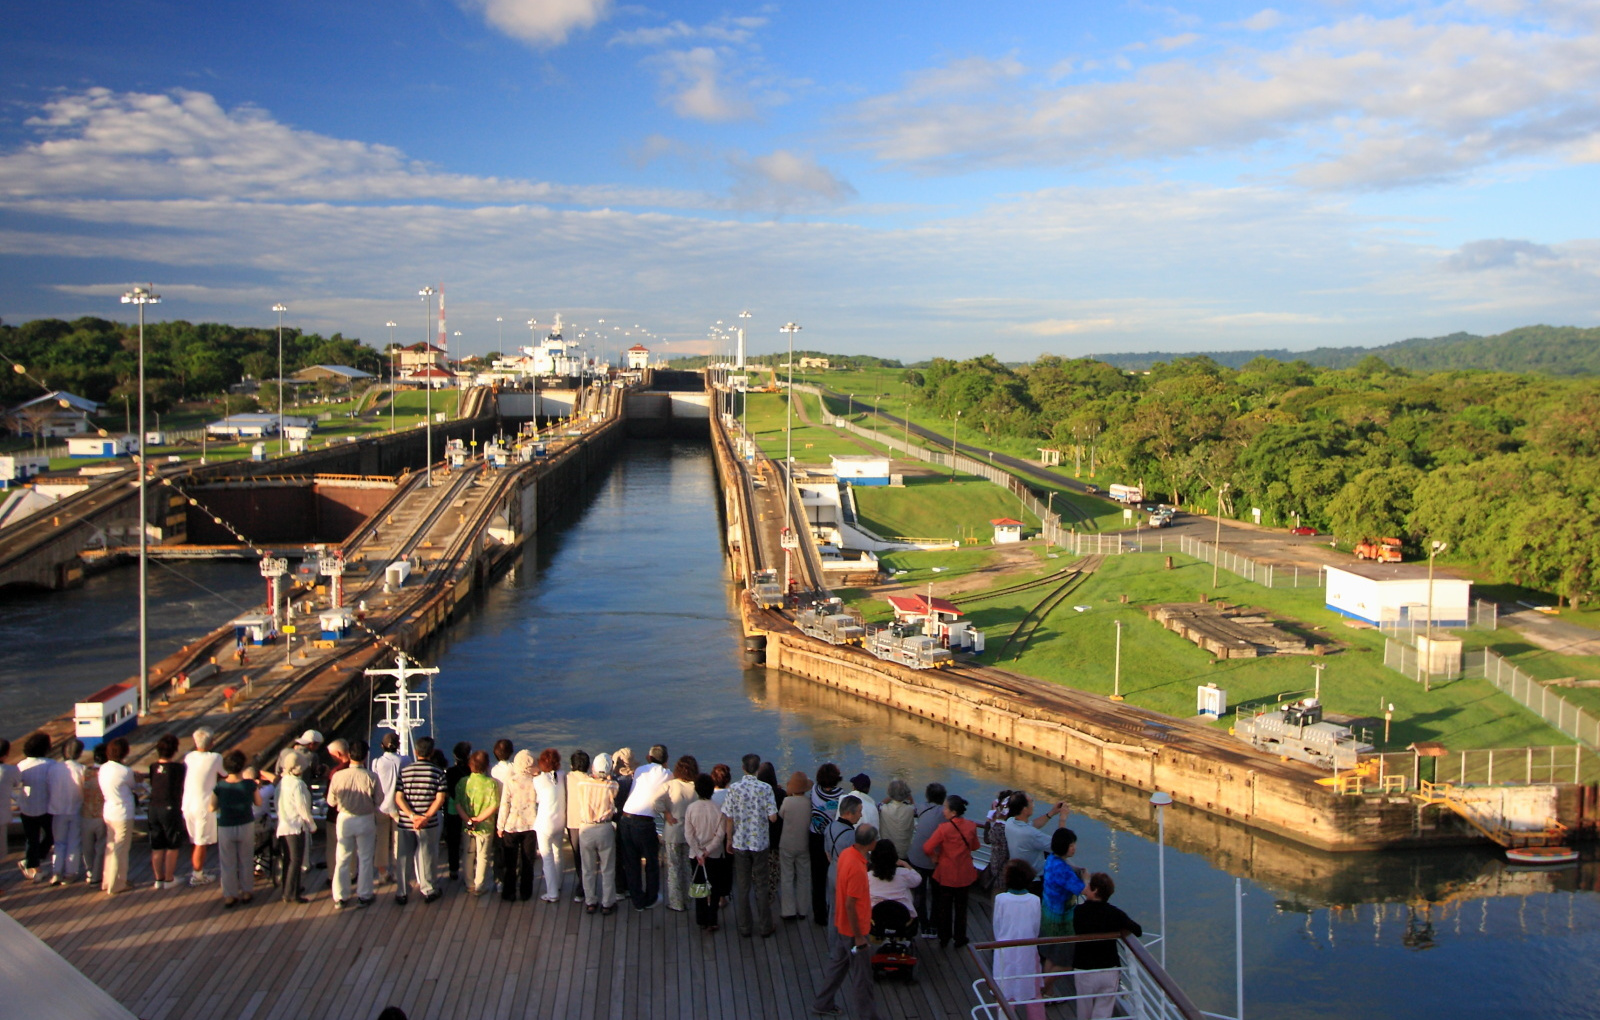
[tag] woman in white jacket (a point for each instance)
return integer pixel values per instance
(551, 822)
(295, 824)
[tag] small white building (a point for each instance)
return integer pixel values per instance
(255, 426)
(638, 356)
(861, 469)
(1397, 593)
(52, 416)
(1006, 530)
(19, 467)
(101, 446)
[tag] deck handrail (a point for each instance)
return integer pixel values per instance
(1175, 995)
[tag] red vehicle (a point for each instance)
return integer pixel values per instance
(1302, 530)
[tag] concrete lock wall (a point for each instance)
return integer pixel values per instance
(1291, 807)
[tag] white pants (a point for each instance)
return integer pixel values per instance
(119, 838)
(1102, 984)
(550, 857)
(358, 840)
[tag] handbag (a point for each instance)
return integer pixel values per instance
(700, 888)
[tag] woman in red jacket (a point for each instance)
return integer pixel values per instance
(950, 848)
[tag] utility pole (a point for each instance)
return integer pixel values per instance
(1434, 548)
(955, 426)
(1216, 543)
(426, 294)
(1116, 669)
(142, 296)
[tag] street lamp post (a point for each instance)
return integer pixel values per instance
(955, 426)
(142, 296)
(1435, 547)
(280, 308)
(426, 294)
(1216, 542)
(1116, 669)
(791, 328)
(1161, 799)
(393, 385)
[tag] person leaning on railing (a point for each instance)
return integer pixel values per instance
(1097, 961)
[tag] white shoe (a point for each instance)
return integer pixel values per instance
(202, 878)
(158, 884)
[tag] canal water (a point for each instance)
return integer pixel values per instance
(617, 628)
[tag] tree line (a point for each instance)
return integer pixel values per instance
(98, 359)
(1504, 466)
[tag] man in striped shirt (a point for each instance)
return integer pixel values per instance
(419, 798)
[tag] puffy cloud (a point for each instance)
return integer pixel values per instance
(694, 79)
(186, 145)
(540, 22)
(193, 196)
(1363, 102)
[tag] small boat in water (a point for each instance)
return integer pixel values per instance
(1542, 855)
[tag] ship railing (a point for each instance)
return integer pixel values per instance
(1145, 991)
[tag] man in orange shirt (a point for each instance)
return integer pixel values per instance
(849, 955)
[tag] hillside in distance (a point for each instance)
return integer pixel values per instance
(1547, 350)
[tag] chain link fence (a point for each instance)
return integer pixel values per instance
(1269, 575)
(1050, 522)
(1494, 766)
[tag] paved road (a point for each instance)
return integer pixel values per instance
(976, 452)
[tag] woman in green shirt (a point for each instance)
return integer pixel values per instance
(234, 800)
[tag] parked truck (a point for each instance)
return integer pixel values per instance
(1383, 550)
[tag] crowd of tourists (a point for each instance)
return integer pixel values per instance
(638, 833)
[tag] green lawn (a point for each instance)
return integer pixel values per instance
(932, 506)
(1161, 670)
(813, 444)
(409, 412)
(916, 568)
(1102, 514)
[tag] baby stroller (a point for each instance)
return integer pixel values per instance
(893, 931)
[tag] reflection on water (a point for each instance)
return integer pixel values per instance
(617, 628)
(58, 646)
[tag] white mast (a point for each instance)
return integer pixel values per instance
(403, 709)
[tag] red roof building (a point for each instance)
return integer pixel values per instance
(919, 607)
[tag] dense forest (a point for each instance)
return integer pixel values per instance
(1548, 350)
(1505, 467)
(98, 359)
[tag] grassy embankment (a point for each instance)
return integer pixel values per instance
(1161, 670)
(1102, 514)
(409, 411)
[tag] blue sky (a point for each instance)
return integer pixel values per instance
(905, 179)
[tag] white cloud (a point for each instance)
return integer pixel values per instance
(190, 194)
(1498, 253)
(185, 144)
(1262, 21)
(784, 180)
(1176, 42)
(541, 22)
(1363, 102)
(727, 30)
(1067, 327)
(697, 89)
